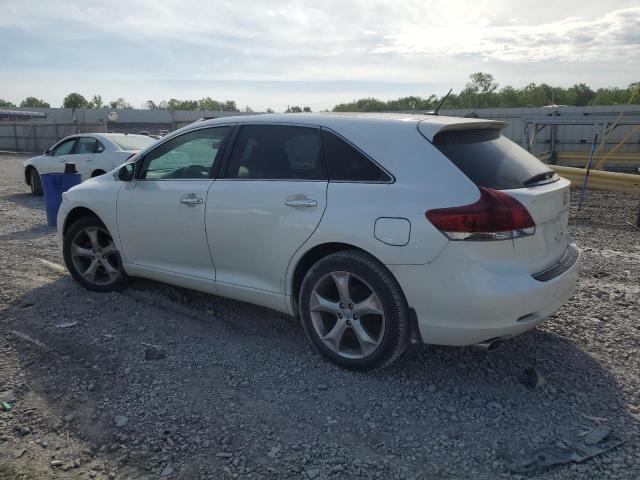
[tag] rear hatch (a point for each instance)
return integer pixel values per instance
(494, 162)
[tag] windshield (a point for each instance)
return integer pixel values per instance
(491, 160)
(132, 142)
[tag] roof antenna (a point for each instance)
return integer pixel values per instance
(435, 112)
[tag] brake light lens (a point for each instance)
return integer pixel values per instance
(495, 216)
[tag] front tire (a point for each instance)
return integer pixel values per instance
(354, 312)
(35, 183)
(91, 256)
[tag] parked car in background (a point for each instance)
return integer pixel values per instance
(92, 153)
(378, 230)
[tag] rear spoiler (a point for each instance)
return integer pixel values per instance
(431, 127)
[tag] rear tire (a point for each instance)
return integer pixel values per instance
(91, 256)
(35, 183)
(354, 312)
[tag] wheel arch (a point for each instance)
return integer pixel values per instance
(76, 214)
(97, 172)
(27, 173)
(309, 258)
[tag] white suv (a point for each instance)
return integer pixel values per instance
(379, 230)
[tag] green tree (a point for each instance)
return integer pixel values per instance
(96, 102)
(230, 106)
(6, 103)
(509, 96)
(210, 104)
(175, 104)
(75, 100)
(306, 109)
(269, 110)
(34, 102)
(481, 83)
(294, 109)
(150, 105)
(583, 94)
(120, 104)
(480, 90)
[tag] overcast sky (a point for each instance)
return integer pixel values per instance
(316, 53)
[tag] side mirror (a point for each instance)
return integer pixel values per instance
(126, 172)
(48, 152)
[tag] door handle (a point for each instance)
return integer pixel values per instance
(191, 200)
(301, 202)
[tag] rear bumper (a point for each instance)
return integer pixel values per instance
(472, 293)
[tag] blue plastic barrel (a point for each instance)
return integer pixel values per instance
(53, 185)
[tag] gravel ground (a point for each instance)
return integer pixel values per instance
(234, 391)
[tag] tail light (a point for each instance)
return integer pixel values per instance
(495, 216)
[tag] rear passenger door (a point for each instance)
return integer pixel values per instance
(83, 156)
(268, 201)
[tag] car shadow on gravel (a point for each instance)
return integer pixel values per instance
(234, 381)
(29, 234)
(25, 200)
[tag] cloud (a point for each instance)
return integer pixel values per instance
(343, 49)
(612, 37)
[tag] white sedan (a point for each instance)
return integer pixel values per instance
(378, 230)
(93, 155)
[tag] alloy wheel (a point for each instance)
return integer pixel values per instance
(347, 315)
(94, 256)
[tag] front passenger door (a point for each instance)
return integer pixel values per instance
(60, 154)
(160, 215)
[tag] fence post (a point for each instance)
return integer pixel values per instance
(15, 137)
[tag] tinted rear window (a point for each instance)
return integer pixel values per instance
(491, 160)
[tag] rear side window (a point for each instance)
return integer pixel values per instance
(491, 160)
(277, 152)
(346, 164)
(86, 145)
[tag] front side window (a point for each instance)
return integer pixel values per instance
(86, 145)
(277, 152)
(346, 164)
(189, 156)
(65, 148)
